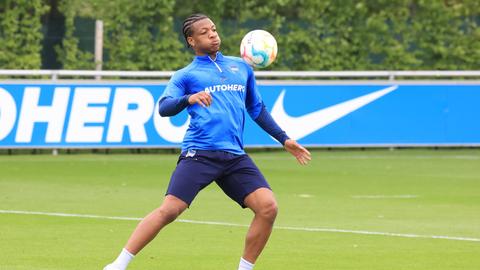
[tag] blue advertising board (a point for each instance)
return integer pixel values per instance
(123, 115)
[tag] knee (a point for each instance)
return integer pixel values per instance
(269, 210)
(167, 214)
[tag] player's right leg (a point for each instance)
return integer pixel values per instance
(193, 173)
(147, 229)
(151, 225)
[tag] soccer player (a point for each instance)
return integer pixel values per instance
(218, 91)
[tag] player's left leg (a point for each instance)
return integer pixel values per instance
(263, 204)
(245, 184)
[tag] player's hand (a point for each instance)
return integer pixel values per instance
(201, 98)
(302, 155)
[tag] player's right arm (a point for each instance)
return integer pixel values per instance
(170, 106)
(201, 98)
(176, 97)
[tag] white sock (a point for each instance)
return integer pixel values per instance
(245, 265)
(123, 259)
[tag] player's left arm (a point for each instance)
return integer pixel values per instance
(267, 123)
(264, 119)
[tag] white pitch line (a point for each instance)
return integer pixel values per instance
(65, 215)
(406, 196)
(304, 229)
(322, 155)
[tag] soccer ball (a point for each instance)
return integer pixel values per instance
(258, 48)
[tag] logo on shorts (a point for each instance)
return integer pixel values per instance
(190, 153)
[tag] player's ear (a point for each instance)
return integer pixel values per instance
(191, 42)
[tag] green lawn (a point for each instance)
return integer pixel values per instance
(420, 192)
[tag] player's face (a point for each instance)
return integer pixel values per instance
(204, 39)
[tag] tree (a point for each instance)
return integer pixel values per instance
(20, 34)
(311, 34)
(69, 54)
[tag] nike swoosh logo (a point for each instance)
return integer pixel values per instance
(302, 126)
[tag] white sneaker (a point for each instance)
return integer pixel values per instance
(111, 267)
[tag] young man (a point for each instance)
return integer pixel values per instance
(217, 91)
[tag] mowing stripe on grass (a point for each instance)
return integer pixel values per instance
(304, 229)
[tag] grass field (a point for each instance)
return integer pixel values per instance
(410, 196)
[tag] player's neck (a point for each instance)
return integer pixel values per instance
(212, 56)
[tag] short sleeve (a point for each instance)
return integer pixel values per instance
(176, 87)
(253, 100)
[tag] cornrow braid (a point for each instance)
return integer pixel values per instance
(187, 24)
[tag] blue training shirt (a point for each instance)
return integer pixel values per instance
(231, 83)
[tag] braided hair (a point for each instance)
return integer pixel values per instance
(187, 25)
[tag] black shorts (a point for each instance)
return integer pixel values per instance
(236, 175)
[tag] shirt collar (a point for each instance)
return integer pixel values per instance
(206, 58)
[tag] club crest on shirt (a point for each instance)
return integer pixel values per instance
(233, 68)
